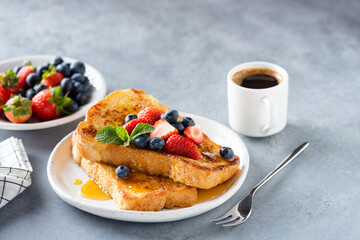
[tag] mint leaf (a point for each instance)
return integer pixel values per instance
(108, 135)
(122, 133)
(141, 129)
(119, 135)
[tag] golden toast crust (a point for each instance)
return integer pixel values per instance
(205, 173)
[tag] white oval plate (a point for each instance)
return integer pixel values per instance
(96, 80)
(62, 171)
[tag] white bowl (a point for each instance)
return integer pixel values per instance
(96, 81)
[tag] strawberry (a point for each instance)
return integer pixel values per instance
(17, 109)
(4, 96)
(23, 73)
(51, 77)
(194, 133)
(9, 81)
(129, 126)
(163, 129)
(49, 103)
(177, 144)
(150, 115)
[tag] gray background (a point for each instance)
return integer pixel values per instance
(180, 52)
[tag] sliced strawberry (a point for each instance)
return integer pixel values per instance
(53, 80)
(22, 75)
(177, 144)
(129, 126)
(194, 133)
(150, 115)
(163, 129)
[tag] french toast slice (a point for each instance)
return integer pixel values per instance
(139, 191)
(204, 173)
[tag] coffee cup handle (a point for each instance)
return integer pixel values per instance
(271, 112)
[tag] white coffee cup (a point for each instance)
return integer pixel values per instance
(258, 112)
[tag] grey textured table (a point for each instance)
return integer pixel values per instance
(180, 53)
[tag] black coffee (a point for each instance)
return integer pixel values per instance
(258, 81)
(256, 78)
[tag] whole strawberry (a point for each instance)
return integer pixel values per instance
(49, 103)
(4, 96)
(23, 73)
(17, 109)
(51, 77)
(9, 80)
(179, 145)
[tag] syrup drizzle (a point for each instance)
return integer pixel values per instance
(92, 191)
(77, 182)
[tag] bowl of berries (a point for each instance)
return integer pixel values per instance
(44, 91)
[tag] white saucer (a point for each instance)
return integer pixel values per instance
(62, 171)
(96, 80)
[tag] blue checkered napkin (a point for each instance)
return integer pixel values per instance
(15, 169)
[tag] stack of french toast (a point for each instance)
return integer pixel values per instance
(157, 179)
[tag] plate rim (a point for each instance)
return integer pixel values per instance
(60, 121)
(159, 216)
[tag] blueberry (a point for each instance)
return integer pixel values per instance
(226, 152)
(68, 65)
(30, 93)
(40, 87)
(17, 68)
(66, 85)
(157, 143)
(162, 115)
(179, 127)
(122, 171)
(77, 67)
(187, 121)
(171, 116)
(130, 117)
(82, 98)
(77, 87)
(64, 69)
(72, 108)
(40, 70)
(142, 141)
(57, 61)
(32, 79)
(78, 77)
(22, 92)
(86, 87)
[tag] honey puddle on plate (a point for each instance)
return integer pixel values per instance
(207, 194)
(77, 182)
(92, 191)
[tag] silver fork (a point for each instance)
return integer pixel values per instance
(241, 211)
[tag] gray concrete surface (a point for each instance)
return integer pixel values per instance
(180, 52)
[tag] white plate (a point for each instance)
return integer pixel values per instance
(62, 171)
(96, 80)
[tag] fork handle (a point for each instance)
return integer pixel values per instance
(281, 165)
